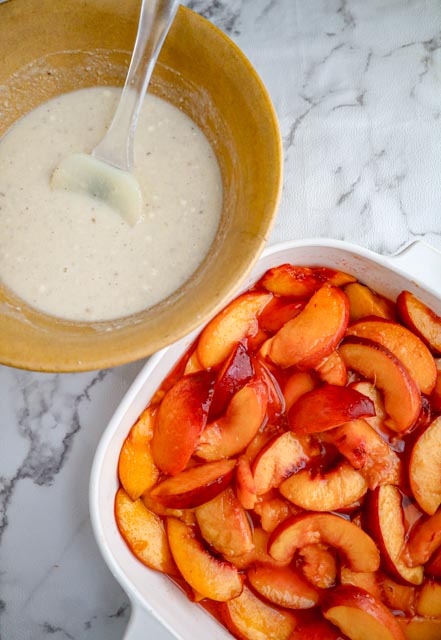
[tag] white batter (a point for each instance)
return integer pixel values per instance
(72, 256)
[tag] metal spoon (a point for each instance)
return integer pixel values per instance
(106, 172)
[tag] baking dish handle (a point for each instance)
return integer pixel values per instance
(422, 262)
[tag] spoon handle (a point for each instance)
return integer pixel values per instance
(156, 17)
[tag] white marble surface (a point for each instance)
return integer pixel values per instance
(357, 88)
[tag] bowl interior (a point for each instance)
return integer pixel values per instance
(47, 50)
(151, 589)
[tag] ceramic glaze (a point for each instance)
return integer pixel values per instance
(72, 256)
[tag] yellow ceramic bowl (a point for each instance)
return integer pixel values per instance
(48, 48)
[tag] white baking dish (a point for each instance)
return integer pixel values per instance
(417, 268)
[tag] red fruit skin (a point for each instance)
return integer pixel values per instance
(236, 372)
(181, 417)
(327, 407)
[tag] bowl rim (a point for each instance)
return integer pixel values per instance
(139, 347)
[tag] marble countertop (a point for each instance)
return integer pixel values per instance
(357, 88)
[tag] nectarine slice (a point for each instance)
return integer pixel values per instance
(298, 383)
(327, 407)
(273, 511)
(353, 543)
(417, 628)
(136, 470)
(364, 302)
(366, 451)
(433, 567)
(302, 282)
(385, 520)
(424, 539)
(235, 373)
(425, 468)
(313, 334)
(249, 618)
(195, 485)
(328, 491)
(360, 616)
(283, 586)
(180, 419)
(224, 524)
(238, 320)
(277, 312)
(405, 345)
(332, 370)
(402, 399)
(319, 565)
(398, 597)
(420, 319)
(281, 457)
(366, 581)
(257, 555)
(245, 485)
(231, 433)
(429, 600)
(144, 533)
(212, 578)
(317, 630)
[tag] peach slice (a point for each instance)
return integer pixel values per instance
(353, 543)
(181, 417)
(312, 335)
(385, 521)
(238, 320)
(402, 399)
(319, 565)
(136, 470)
(435, 399)
(302, 282)
(245, 485)
(277, 313)
(317, 630)
(231, 433)
(235, 373)
(282, 586)
(366, 581)
(366, 451)
(368, 389)
(424, 539)
(281, 457)
(420, 628)
(398, 597)
(272, 512)
(193, 364)
(425, 468)
(364, 302)
(429, 600)
(249, 618)
(298, 383)
(144, 533)
(420, 319)
(329, 491)
(276, 401)
(210, 577)
(328, 407)
(257, 555)
(405, 345)
(159, 509)
(195, 485)
(433, 567)
(224, 524)
(333, 370)
(360, 616)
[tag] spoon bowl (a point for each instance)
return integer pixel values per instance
(106, 173)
